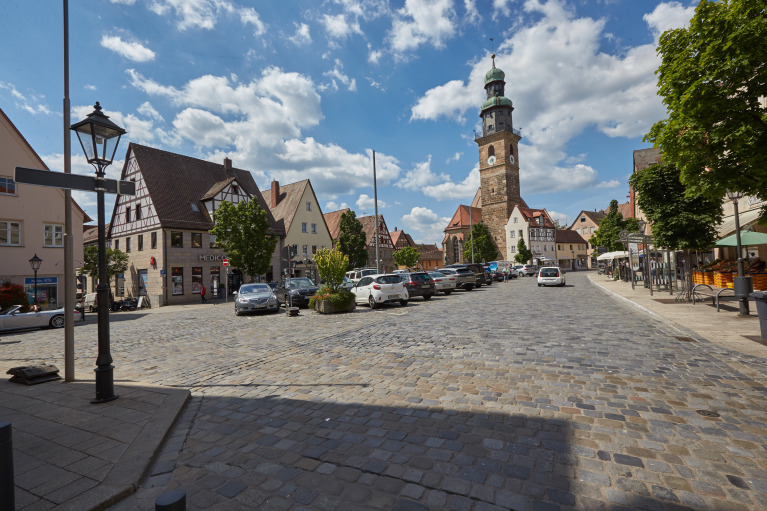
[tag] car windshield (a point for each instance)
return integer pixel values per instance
(420, 277)
(365, 273)
(296, 283)
(463, 270)
(254, 288)
(549, 272)
(6, 310)
(436, 274)
(389, 279)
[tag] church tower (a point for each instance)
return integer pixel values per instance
(498, 158)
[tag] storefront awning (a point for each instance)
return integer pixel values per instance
(609, 256)
(746, 218)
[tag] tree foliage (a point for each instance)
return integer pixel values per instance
(13, 294)
(352, 240)
(524, 254)
(608, 233)
(117, 262)
(242, 232)
(407, 256)
(331, 267)
(711, 78)
(681, 219)
(484, 246)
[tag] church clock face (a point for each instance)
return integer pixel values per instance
(491, 160)
(511, 158)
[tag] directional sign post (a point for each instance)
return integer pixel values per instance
(72, 181)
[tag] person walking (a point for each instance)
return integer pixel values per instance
(202, 294)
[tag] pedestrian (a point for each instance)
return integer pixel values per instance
(202, 294)
(505, 275)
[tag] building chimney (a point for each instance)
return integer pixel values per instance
(275, 193)
(227, 164)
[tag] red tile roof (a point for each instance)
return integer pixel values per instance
(333, 220)
(462, 215)
(288, 202)
(568, 236)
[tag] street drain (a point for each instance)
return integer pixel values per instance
(685, 339)
(707, 413)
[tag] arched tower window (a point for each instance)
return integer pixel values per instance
(456, 250)
(490, 151)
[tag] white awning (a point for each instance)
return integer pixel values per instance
(728, 225)
(609, 256)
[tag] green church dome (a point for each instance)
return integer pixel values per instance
(496, 101)
(494, 75)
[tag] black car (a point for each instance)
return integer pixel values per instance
(418, 283)
(295, 292)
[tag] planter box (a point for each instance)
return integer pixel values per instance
(326, 307)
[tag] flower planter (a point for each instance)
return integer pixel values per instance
(326, 307)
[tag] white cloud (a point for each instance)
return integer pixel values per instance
(336, 75)
(450, 100)
(563, 219)
(302, 37)
(424, 225)
(204, 14)
(340, 26)
(449, 190)
(89, 86)
(374, 56)
(147, 110)
(333, 206)
(613, 183)
(130, 50)
(455, 157)
(123, 2)
(667, 16)
(367, 203)
(472, 16)
(422, 22)
(420, 176)
(30, 102)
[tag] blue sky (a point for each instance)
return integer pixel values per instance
(307, 89)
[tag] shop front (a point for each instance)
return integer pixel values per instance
(47, 291)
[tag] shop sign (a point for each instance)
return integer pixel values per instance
(212, 257)
(40, 281)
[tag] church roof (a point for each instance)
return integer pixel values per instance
(496, 101)
(494, 75)
(462, 217)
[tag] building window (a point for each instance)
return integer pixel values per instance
(303, 227)
(308, 206)
(456, 250)
(117, 244)
(177, 281)
(520, 233)
(213, 241)
(592, 230)
(511, 234)
(583, 219)
(7, 186)
(314, 228)
(513, 249)
(127, 244)
(306, 250)
(10, 233)
(140, 242)
(138, 211)
(54, 235)
(127, 214)
(154, 240)
(314, 249)
(196, 243)
(516, 220)
(196, 280)
(177, 239)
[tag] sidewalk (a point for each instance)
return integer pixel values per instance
(725, 328)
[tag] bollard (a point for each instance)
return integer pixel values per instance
(7, 485)
(174, 500)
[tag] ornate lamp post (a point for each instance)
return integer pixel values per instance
(99, 137)
(35, 263)
(743, 286)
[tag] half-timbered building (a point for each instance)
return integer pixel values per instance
(164, 227)
(385, 245)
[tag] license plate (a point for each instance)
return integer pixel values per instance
(425, 286)
(393, 297)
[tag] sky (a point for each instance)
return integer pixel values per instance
(292, 90)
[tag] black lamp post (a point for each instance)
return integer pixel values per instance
(743, 286)
(35, 263)
(99, 137)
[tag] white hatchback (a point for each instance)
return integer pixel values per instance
(377, 289)
(551, 276)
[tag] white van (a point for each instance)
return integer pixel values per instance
(356, 274)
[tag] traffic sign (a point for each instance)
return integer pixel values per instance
(226, 262)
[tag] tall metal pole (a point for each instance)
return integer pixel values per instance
(375, 198)
(104, 371)
(69, 254)
(742, 300)
(471, 234)
(35, 269)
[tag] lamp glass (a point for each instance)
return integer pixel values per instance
(98, 137)
(35, 262)
(733, 195)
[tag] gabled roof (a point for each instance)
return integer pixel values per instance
(462, 215)
(175, 181)
(568, 236)
(396, 235)
(536, 217)
(369, 226)
(625, 210)
(216, 188)
(288, 202)
(594, 216)
(333, 221)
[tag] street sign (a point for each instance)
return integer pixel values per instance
(226, 262)
(72, 181)
(163, 273)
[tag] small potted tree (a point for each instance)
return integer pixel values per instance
(331, 297)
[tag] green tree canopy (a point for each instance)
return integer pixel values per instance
(331, 267)
(407, 256)
(242, 232)
(711, 78)
(608, 233)
(117, 262)
(352, 240)
(484, 246)
(523, 255)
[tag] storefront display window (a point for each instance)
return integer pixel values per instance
(215, 280)
(177, 281)
(196, 280)
(47, 291)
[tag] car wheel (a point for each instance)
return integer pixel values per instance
(469, 288)
(447, 292)
(539, 285)
(427, 297)
(403, 302)
(372, 302)
(57, 321)
(90, 308)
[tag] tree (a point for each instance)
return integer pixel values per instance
(524, 255)
(117, 262)
(711, 78)
(608, 233)
(13, 294)
(407, 256)
(352, 240)
(331, 267)
(484, 246)
(681, 219)
(242, 232)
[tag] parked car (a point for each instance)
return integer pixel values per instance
(295, 292)
(526, 270)
(478, 269)
(381, 288)
(465, 278)
(443, 283)
(551, 276)
(356, 274)
(348, 284)
(418, 283)
(13, 318)
(255, 297)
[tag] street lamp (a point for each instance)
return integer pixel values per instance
(742, 285)
(99, 137)
(35, 263)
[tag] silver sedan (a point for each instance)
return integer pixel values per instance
(254, 297)
(13, 318)
(443, 283)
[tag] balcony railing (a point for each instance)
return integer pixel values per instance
(518, 133)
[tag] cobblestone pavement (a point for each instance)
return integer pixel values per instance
(507, 397)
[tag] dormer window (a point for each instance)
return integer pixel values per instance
(235, 189)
